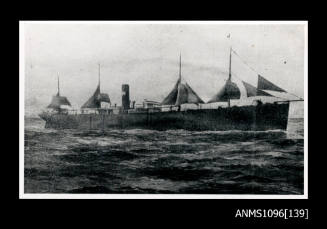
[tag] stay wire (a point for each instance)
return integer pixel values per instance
(244, 62)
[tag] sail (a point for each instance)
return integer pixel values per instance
(264, 84)
(57, 101)
(253, 91)
(93, 101)
(192, 97)
(103, 97)
(186, 95)
(172, 96)
(229, 91)
(181, 93)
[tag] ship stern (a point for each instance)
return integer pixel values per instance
(272, 116)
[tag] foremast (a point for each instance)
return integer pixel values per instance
(58, 100)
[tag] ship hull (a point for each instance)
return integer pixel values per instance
(262, 117)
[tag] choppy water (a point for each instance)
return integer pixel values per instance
(175, 161)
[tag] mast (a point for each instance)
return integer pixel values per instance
(58, 85)
(99, 75)
(99, 83)
(58, 94)
(230, 70)
(180, 67)
(230, 64)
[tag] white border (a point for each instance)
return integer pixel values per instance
(174, 22)
(22, 195)
(21, 107)
(306, 99)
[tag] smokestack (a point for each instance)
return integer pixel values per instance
(125, 96)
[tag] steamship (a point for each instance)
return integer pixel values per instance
(182, 108)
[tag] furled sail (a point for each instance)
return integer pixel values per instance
(264, 84)
(57, 101)
(229, 91)
(253, 91)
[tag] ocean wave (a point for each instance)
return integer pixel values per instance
(172, 161)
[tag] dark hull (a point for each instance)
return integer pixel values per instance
(262, 117)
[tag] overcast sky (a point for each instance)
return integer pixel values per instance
(146, 56)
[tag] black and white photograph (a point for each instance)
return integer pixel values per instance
(163, 109)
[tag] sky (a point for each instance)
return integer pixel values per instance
(146, 56)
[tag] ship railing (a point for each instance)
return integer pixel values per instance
(215, 105)
(97, 111)
(182, 107)
(144, 110)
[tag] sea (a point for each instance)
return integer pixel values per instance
(139, 161)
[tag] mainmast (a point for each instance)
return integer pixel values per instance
(230, 70)
(230, 64)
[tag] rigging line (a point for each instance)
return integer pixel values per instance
(244, 62)
(295, 96)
